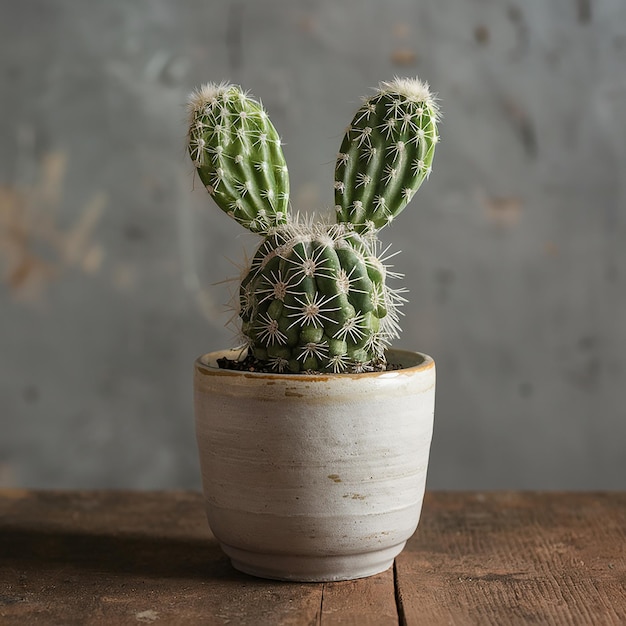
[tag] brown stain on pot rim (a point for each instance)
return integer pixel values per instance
(334, 477)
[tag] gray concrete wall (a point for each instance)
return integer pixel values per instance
(514, 250)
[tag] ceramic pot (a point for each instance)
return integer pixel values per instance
(314, 477)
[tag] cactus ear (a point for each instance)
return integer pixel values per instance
(386, 154)
(238, 155)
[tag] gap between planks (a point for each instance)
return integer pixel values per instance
(363, 602)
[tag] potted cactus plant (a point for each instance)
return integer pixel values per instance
(314, 434)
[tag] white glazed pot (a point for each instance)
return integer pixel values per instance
(314, 477)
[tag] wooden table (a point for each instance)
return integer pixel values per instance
(477, 558)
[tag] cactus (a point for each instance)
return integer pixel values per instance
(315, 295)
(386, 154)
(237, 153)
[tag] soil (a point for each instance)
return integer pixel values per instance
(250, 364)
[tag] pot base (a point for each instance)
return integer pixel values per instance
(305, 568)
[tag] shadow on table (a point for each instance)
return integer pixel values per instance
(141, 555)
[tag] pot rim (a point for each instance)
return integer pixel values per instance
(206, 364)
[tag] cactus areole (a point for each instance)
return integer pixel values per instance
(315, 296)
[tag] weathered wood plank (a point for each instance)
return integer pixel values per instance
(511, 558)
(128, 558)
(365, 602)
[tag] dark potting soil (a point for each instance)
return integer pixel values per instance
(250, 364)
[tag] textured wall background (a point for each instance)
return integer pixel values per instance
(514, 250)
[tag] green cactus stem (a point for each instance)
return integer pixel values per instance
(315, 299)
(315, 295)
(237, 153)
(386, 154)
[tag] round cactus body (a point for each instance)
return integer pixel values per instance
(315, 298)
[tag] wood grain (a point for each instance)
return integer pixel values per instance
(365, 602)
(512, 558)
(132, 558)
(128, 558)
